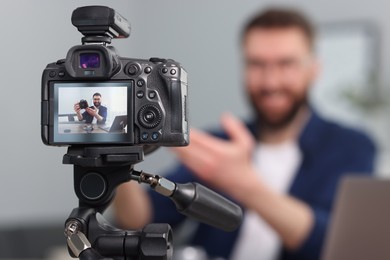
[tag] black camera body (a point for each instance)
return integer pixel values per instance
(147, 98)
(83, 104)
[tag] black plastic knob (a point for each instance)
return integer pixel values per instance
(149, 116)
(133, 69)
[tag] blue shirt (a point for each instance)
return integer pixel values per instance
(329, 152)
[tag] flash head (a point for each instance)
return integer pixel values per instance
(101, 22)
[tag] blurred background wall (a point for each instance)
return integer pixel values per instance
(35, 188)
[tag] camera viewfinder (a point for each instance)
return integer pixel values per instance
(89, 60)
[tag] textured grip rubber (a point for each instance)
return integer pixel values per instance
(200, 203)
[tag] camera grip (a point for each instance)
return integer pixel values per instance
(176, 101)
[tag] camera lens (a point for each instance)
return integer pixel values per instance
(89, 60)
(83, 104)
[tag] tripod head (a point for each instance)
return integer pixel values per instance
(98, 170)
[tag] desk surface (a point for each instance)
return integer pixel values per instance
(83, 128)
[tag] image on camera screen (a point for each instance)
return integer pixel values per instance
(92, 112)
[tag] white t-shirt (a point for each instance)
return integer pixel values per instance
(276, 166)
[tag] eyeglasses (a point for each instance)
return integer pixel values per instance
(287, 67)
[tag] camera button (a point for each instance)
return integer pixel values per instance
(157, 60)
(155, 136)
(52, 74)
(150, 116)
(140, 83)
(145, 136)
(173, 71)
(140, 94)
(61, 74)
(147, 70)
(164, 70)
(60, 62)
(132, 69)
(152, 94)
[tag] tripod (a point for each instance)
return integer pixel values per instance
(97, 173)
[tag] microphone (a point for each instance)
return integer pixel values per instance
(196, 201)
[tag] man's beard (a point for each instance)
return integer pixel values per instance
(96, 104)
(269, 121)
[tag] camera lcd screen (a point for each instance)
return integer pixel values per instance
(89, 60)
(92, 112)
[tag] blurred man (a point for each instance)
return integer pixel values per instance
(282, 168)
(93, 114)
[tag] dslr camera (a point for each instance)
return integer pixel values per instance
(83, 104)
(143, 101)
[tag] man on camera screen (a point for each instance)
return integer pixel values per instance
(97, 111)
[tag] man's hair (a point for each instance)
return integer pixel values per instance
(281, 18)
(97, 94)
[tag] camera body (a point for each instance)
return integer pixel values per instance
(83, 104)
(146, 99)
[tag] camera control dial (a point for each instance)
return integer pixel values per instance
(149, 116)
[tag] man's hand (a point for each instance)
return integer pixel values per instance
(224, 164)
(77, 108)
(227, 166)
(93, 111)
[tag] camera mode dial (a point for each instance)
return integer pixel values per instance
(149, 116)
